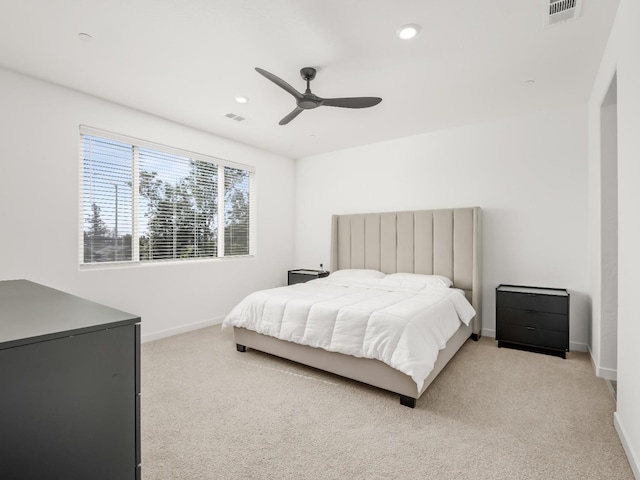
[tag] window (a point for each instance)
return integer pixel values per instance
(143, 202)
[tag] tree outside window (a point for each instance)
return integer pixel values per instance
(174, 214)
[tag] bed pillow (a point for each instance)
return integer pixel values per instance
(416, 281)
(356, 274)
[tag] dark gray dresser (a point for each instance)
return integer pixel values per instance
(69, 387)
(533, 318)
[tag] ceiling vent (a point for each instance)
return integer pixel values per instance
(563, 10)
(235, 117)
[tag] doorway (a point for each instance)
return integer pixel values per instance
(609, 235)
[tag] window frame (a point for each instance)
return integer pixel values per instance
(136, 234)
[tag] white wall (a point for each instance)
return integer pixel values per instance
(39, 168)
(620, 58)
(529, 175)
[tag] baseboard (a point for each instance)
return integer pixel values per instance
(606, 373)
(578, 347)
(633, 460)
(150, 337)
(487, 332)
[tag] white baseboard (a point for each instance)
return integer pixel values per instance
(578, 347)
(487, 332)
(150, 337)
(606, 373)
(633, 460)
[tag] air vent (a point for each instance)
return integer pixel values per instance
(563, 10)
(235, 117)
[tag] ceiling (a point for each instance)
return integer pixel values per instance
(186, 60)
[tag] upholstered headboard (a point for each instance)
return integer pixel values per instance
(436, 242)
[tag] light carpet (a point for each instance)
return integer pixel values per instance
(209, 412)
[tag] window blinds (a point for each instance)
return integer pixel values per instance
(144, 202)
(107, 201)
(177, 211)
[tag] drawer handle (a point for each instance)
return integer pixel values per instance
(531, 311)
(530, 328)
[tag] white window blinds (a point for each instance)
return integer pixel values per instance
(143, 202)
(107, 206)
(236, 211)
(178, 209)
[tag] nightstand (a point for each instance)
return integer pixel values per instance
(303, 275)
(533, 318)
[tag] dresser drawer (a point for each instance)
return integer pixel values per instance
(530, 318)
(533, 302)
(537, 337)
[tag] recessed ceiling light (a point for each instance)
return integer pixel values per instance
(407, 32)
(85, 37)
(241, 99)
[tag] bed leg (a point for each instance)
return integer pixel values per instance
(407, 401)
(475, 337)
(241, 348)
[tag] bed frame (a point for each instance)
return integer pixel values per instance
(439, 242)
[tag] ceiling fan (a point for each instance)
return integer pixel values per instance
(307, 100)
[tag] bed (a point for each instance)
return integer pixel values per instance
(443, 243)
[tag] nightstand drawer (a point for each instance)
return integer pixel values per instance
(529, 318)
(537, 337)
(533, 302)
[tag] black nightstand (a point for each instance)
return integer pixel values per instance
(533, 318)
(303, 275)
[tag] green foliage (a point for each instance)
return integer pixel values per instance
(182, 218)
(236, 232)
(101, 244)
(97, 227)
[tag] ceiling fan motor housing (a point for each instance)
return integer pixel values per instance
(308, 101)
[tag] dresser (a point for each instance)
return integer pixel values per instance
(69, 387)
(533, 318)
(303, 275)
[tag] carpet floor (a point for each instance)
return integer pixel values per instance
(209, 412)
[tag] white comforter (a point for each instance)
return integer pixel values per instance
(403, 325)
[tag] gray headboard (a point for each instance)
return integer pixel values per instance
(435, 242)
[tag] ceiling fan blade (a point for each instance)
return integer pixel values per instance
(355, 102)
(291, 116)
(281, 83)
